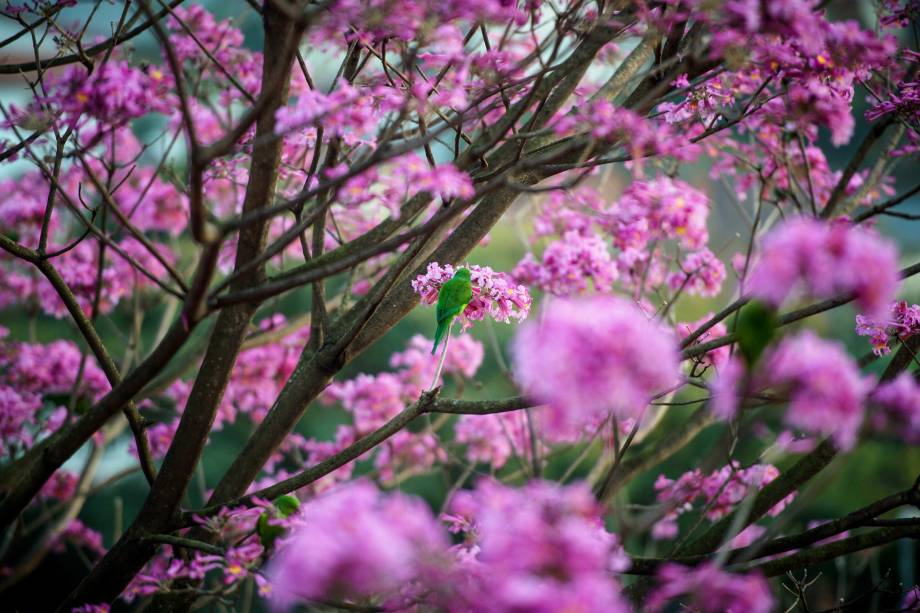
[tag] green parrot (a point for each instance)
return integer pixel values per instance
(285, 506)
(452, 299)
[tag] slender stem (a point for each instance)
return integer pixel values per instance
(437, 373)
(178, 541)
(428, 403)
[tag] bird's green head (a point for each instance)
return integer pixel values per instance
(462, 273)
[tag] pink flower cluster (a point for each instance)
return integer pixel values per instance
(708, 589)
(18, 411)
(790, 168)
(639, 135)
(702, 103)
(494, 293)
(720, 492)
(22, 208)
(828, 260)
(493, 439)
(899, 404)
(569, 264)
(717, 357)
(904, 101)
(826, 391)
(402, 178)
(152, 204)
(902, 322)
(701, 273)
(219, 39)
(78, 534)
(374, 20)
(257, 378)
(819, 60)
(113, 94)
(347, 112)
(37, 384)
(648, 213)
(354, 543)
(541, 548)
(593, 357)
(92, 608)
(659, 209)
(375, 399)
(372, 400)
(244, 553)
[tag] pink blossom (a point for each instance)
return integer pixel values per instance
(317, 451)
(92, 608)
(219, 39)
(80, 535)
(828, 260)
(827, 391)
(373, 20)
(902, 322)
(51, 368)
(61, 486)
(899, 401)
(708, 589)
(113, 94)
(911, 599)
(493, 438)
(591, 357)
(702, 274)
(153, 204)
(407, 453)
(372, 399)
(541, 548)
(719, 492)
(34, 380)
(159, 436)
(726, 389)
(260, 372)
(717, 357)
(18, 411)
(417, 366)
(639, 135)
(658, 209)
(347, 112)
(494, 293)
(355, 542)
(568, 264)
(746, 537)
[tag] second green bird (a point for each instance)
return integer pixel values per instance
(452, 299)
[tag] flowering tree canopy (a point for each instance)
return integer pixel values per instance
(221, 238)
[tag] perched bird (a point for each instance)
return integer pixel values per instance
(284, 507)
(452, 299)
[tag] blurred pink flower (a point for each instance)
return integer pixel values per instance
(707, 589)
(355, 542)
(826, 260)
(541, 548)
(592, 357)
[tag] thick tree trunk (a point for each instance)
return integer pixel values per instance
(115, 571)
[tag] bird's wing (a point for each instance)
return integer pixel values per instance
(453, 298)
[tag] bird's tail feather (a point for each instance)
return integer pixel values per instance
(439, 334)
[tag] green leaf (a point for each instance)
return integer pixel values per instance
(755, 329)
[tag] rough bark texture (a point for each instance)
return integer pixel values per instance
(113, 573)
